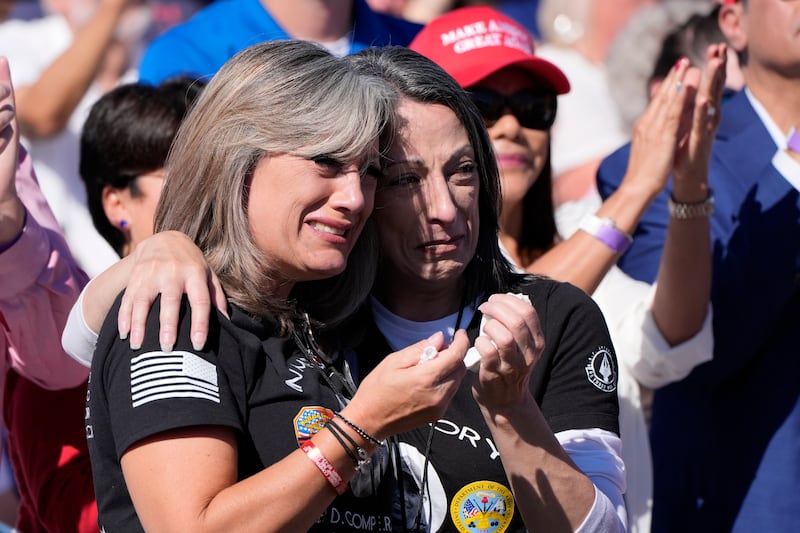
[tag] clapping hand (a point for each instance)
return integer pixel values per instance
(699, 128)
(674, 134)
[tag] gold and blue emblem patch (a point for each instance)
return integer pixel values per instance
(482, 507)
(309, 420)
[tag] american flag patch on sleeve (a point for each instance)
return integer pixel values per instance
(168, 375)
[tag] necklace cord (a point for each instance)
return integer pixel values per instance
(429, 442)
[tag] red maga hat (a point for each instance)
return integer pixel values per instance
(472, 43)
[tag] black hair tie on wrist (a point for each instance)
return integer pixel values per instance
(358, 430)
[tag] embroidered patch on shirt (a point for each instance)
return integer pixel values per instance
(483, 506)
(168, 375)
(309, 420)
(602, 370)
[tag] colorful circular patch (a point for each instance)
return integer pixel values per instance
(309, 420)
(482, 507)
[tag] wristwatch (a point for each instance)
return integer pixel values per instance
(605, 230)
(685, 211)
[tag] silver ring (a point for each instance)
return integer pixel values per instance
(678, 87)
(711, 111)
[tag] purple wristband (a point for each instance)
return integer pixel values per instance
(793, 143)
(604, 230)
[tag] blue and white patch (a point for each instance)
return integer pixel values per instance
(169, 375)
(602, 370)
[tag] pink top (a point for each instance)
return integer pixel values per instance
(39, 283)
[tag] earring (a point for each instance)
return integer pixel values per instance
(123, 224)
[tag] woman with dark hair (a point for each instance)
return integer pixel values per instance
(124, 143)
(441, 268)
(516, 93)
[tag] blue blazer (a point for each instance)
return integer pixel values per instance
(711, 431)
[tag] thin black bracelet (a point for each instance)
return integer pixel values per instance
(358, 454)
(358, 430)
(342, 442)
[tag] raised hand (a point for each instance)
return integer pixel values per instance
(699, 129)
(658, 131)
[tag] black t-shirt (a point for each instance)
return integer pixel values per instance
(246, 379)
(574, 384)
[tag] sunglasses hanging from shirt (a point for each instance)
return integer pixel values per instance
(534, 109)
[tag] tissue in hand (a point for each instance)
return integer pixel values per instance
(472, 359)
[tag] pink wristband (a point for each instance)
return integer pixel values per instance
(325, 466)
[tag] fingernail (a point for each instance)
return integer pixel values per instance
(166, 346)
(681, 61)
(136, 340)
(433, 338)
(123, 336)
(197, 341)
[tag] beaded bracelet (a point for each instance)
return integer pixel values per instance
(324, 466)
(358, 454)
(358, 430)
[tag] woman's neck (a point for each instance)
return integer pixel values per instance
(429, 301)
(321, 21)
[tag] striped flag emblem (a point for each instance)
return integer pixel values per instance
(167, 375)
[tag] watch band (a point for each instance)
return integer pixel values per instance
(686, 211)
(605, 230)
